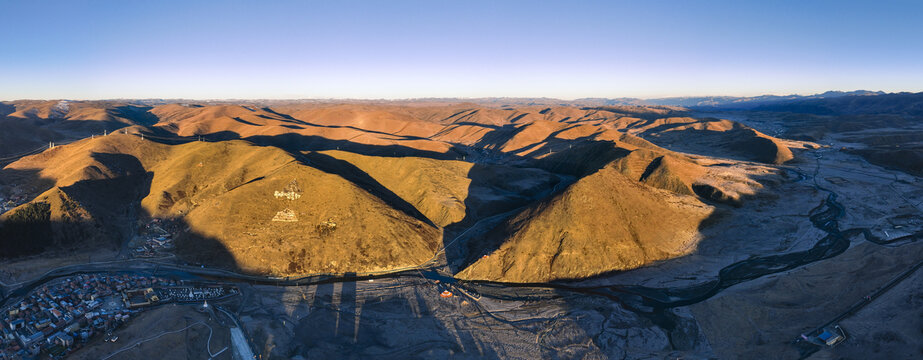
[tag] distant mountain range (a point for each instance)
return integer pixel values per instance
(731, 102)
(827, 103)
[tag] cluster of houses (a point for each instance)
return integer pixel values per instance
(152, 240)
(59, 318)
(7, 203)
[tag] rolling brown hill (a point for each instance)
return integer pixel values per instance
(52, 221)
(230, 209)
(448, 191)
(713, 137)
(604, 222)
(305, 188)
(30, 125)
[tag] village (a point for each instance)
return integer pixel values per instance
(10, 201)
(61, 317)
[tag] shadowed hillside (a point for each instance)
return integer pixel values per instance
(317, 213)
(604, 222)
(296, 189)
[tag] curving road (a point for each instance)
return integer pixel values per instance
(155, 337)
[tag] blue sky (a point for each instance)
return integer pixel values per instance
(82, 49)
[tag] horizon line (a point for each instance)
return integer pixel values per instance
(441, 98)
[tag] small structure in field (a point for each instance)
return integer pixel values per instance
(832, 336)
(829, 336)
(287, 215)
(326, 227)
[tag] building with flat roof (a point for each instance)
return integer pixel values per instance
(29, 337)
(64, 340)
(829, 338)
(139, 297)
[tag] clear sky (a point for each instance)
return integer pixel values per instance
(80, 49)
